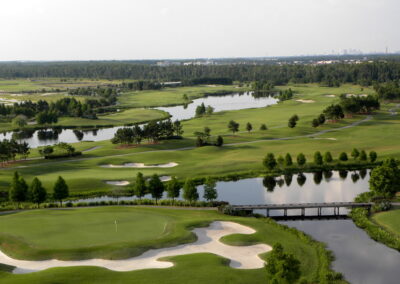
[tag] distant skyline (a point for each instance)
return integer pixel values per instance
(153, 29)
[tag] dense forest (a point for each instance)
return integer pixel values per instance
(331, 74)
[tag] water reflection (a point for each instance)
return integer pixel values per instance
(78, 134)
(264, 191)
(301, 179)
(327, 175)
(343, 174)
(317, 177)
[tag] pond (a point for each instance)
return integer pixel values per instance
(234, 101)
(52, 136)
(306, 188)
(357, 256)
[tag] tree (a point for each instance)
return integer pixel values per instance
(328, 157)
(315, 123)
(46, 150)
(343, 157)
(373, 156)
(173, 188)
(301, 159)
(321, 119)
(363, 155)
(318, 158)
(200, 110)
(156, 187)
(282, 268)
(288, 160)
(385, 179)
(190, 191)
(37, 192)
(20, 121)
(19, 189)
(269, 161)
(220, 141)
(280, 161)
(334, 112)
(249, 127)
(355, 153)
(210, 190)
(139, 188)
(207, 133)
(178, 129)
(60, 190)
(293, 121)
(263, 127)
(209, 110)
(233, 126)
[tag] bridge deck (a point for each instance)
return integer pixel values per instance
(301, 205)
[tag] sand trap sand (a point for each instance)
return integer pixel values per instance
(117, 182)
(165, 178)
(141, 165)
(306, 101)
(330, 96)
(243, 257)
(330, 138)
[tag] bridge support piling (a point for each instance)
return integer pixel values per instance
(267, 212)
(285, 212)
(303, 212)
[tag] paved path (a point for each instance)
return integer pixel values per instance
(368, 118)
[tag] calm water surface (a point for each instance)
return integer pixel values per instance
(358, 257)
(234, 101)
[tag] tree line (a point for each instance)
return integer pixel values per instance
(272, 163)
(330, 75)
(48, 113)
(156, 188)
(35, 192)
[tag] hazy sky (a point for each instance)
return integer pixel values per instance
(149, 29)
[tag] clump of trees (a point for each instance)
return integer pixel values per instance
(59, 150)
(293, 121)
(204, 138)
(281, 266)
(388, 91)
(262, 86)
(285, 95)
(9, 149)
(333, 112)
(385, 179)
(358, 105)
(152, 131)
(202, 110)
(233, 126)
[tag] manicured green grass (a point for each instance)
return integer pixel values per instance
(381, 134)
(46, 233)
(390, 220)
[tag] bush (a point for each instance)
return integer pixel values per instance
(343, 157)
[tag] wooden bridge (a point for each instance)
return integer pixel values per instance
(303, 206)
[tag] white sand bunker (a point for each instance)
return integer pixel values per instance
(306, 101)
(330, 96)
(354, 95)
(141, 165)
(329, 138)
(243, 257)
(117, 182)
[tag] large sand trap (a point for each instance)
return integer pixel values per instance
(330, 96)
(329, 138)
(141, 165)
(306, 101)
(243, 257)
(117, 182)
